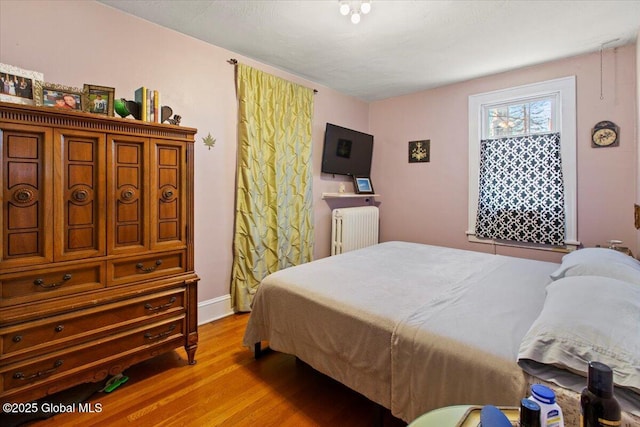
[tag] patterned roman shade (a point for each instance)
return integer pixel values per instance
(521, 190)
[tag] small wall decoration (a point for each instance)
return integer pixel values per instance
(419, 151)
(209, 141)
(99, 99)
(20, 86)
(59, 96)
(605, 134)
(362, 185)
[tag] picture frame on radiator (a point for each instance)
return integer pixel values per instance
(362, 185)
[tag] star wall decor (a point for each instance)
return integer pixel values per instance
(209, 141)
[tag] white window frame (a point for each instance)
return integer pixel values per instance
(565, 91)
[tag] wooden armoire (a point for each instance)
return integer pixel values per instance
(96, 261)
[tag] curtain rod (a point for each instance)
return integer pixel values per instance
(234, 61)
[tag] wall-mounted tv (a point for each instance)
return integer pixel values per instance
(346, 151)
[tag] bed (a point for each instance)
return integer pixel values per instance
(415, 327)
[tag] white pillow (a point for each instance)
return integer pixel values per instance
(588, 318)
(599, 254)
(599, 262)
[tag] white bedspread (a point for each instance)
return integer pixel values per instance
(462, 346)
(368, 319)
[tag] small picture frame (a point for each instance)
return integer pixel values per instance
(362, 185)
(61, 97)
(20, 86)
(99, 99)
(420, 151)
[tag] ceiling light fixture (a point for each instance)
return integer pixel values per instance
(355, 9)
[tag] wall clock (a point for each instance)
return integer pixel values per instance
(605, 134)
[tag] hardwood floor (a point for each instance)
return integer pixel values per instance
(227, 387)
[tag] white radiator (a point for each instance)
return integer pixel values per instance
(353, 228)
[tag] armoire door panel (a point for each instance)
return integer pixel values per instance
(169, 195)
(80, 187)
(26, 196)
(128, 198)
(23, 173)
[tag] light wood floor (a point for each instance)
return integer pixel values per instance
(227, 387)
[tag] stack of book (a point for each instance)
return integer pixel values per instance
(150, 107)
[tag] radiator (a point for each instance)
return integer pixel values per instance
(353, 228)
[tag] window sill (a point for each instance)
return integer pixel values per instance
(569, 246)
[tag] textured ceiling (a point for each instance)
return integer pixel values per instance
(401, 46)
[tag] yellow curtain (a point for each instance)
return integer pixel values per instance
(273, 216)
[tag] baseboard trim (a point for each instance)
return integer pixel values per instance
(214, 309)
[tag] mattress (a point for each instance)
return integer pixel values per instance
(410, 326)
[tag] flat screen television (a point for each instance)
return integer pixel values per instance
(346, 151)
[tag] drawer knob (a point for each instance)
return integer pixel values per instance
(160, 307)
(81, 195)
(161, 334)
(144, 269)
(24, 196)
(128, 194)
(40, 282)
(167, 194)
(17, 338)
(59, 328)
(23, 377)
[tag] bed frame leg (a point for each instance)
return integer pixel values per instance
(259, 351)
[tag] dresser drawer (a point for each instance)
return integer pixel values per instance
(57, 332)
(141, 267)
(96, 352)
(18, 288)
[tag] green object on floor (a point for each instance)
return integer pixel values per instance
(115, 382)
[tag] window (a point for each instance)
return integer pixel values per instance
(519, 118)
(514, 122)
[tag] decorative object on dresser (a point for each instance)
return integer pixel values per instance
(20, 86)
(60, 96)
(96, 262)
(98, 99)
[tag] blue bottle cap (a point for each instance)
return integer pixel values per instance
(543, 393)
(529, 413)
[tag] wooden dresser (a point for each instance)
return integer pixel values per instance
(96, 262)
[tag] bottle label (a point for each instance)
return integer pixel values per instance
(602, 422)
(608, 423)
(553, 422)
(553, 418)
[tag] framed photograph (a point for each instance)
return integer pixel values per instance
(59, 96)
(362, 185)
(419, 151)
(20, 86)
(99, 99)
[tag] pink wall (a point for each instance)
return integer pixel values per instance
(420, 202)
(427, 202)
(62, 40)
